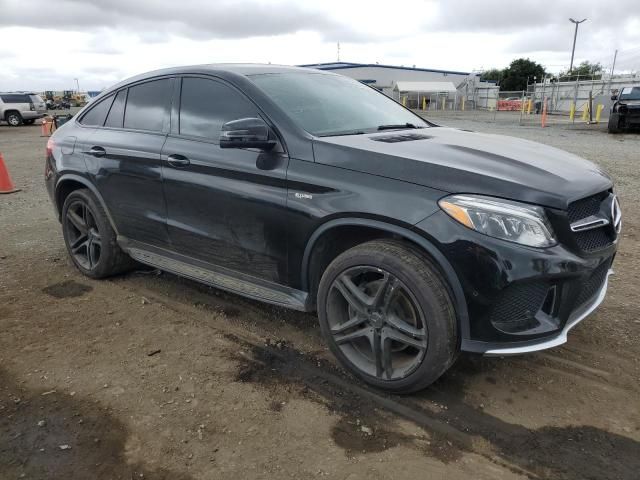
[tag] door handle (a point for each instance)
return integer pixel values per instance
(177, 160)
(97, 152)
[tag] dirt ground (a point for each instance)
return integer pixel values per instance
(151, 376)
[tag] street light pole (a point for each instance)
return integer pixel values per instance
(575, 35)
(77, 85)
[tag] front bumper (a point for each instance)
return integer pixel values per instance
(559, 339)
(519, 299)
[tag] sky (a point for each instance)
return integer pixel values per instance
(48, 44)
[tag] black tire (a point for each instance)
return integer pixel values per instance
(14, 119)
(421, 358)
(29, 121)
(613, 126)
(98, 254)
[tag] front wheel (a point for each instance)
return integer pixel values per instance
(14, 119)
(387, 315)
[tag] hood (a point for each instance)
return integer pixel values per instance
(458, 161)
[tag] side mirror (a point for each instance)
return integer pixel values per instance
(246, 133)
(614, 97)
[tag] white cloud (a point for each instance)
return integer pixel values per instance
(101, 42)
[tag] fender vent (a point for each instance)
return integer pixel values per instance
(400, 137)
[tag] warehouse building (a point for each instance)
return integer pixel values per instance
(415, 87)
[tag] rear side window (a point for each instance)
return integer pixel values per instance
(116, 114)
(206, 104)
(15, 98)
(96, 116)
(147, 105)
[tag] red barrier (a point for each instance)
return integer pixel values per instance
(510, 105)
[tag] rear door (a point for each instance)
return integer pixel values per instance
(123, 154)
(224, 206)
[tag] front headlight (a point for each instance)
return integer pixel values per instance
(512, 221)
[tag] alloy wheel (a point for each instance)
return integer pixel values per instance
(13, 120)
(85, 243)
(375, 322)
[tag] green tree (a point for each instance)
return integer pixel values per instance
(494, 74)
(586, 70)
(516, 76)
(519, 73)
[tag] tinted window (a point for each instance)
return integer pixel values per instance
(147, 104)
(95, 117)
(333, 104)
(15, 98)
(114, 119)
(205, 105)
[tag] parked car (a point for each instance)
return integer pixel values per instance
(21, 108)
(312, 191)
(625, 111)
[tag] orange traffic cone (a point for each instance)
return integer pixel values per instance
(47, 127)
(6, 185)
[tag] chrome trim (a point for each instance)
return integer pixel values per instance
(589, 223)
(616, 214)
(560, 338)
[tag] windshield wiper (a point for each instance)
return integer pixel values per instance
(397, 126)
(342, 134)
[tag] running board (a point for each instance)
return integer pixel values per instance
(219, 277)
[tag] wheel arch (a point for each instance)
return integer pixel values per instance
(70, 182)
(390, 230)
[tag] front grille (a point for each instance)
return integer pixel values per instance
(597, 238)
(593, 285)
(586, 207)
(592, 240)
(517, 306)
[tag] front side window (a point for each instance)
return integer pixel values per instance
(147, 104)
(325, 104)
(95, 117)
(206, 104)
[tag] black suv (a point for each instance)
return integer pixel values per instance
(625, 112)
(313, 191)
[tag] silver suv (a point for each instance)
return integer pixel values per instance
(19, 108)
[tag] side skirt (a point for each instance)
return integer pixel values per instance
(216, 276)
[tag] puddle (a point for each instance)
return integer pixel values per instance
(67, 289)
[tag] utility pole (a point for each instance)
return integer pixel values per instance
(77, 85)
(575, 35)
(613, 66)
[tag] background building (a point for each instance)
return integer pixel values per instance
(417, 87)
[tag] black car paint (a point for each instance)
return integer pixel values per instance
(257, 215)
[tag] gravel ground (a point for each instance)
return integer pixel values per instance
(151, 376)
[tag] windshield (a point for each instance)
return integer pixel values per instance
(630, 93)
(326, 105)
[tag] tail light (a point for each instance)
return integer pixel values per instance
(50, 145)
(32, 106)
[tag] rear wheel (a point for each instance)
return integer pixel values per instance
(387, 315)
(89, 237)
(13, 118)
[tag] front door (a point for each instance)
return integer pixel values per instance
(224, 206)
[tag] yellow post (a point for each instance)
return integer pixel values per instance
(424, 103)
(444, 100)
(404, 101)
(572, 111)
(462, 106)
(599, 111)
(529, 106)
(585, 112)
